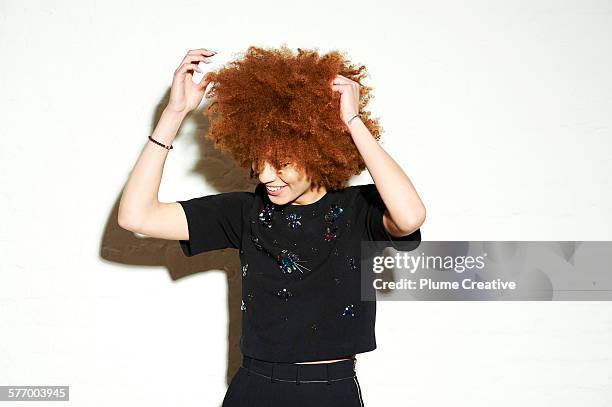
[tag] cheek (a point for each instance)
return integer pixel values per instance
(297, 175)
(297, 179)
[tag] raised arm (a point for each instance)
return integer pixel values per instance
(405, 212)
(139, 208)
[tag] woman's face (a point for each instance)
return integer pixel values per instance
(295, 187)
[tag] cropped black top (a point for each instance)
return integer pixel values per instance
(301, 286)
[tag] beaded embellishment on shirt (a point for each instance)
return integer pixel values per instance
(293, 220)
(244, 269)
(330, 233)
(265, 216)
(332, 215)
(243, 307)
(349, 311)
(284, 294)
(290, 262)
(255, 241)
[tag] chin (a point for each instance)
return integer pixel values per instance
(279, 200)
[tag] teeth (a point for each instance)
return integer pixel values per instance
(274, 188)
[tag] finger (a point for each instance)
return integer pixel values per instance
(192, 58)
(210, 89)
(200, 51)
(185, 67)
(189, 67)
(205, 81)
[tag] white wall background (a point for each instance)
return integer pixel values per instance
(499, 111)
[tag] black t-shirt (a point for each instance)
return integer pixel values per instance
(300, 267)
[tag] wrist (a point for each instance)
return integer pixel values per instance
(175, 114)
(167, 127)
(353, 119)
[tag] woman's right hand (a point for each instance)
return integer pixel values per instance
(185, 95)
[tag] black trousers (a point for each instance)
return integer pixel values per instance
(259, 383)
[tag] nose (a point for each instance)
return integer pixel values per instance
(269, 173)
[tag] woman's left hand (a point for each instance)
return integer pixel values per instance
(349, 97)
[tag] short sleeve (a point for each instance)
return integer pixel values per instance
(214, 221)
(374, 211)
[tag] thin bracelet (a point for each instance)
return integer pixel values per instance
(160, 144)
(349, 122)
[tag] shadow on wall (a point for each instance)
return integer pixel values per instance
(124, 247)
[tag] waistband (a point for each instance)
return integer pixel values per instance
(300, 373)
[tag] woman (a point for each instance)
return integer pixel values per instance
(299, 123)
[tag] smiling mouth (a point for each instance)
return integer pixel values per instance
(274, 189)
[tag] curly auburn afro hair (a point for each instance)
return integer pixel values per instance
(276, 106)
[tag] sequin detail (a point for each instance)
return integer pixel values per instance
(349, 311)
(244, 270)
(351, 263)
(243, 307)
(255, 241)
(249, 297)
(284, 294)
(294, 220)
(265, 216)
(334, 213)
(331, 232)
(290, 262)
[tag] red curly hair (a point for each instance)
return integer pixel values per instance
(277, 106)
